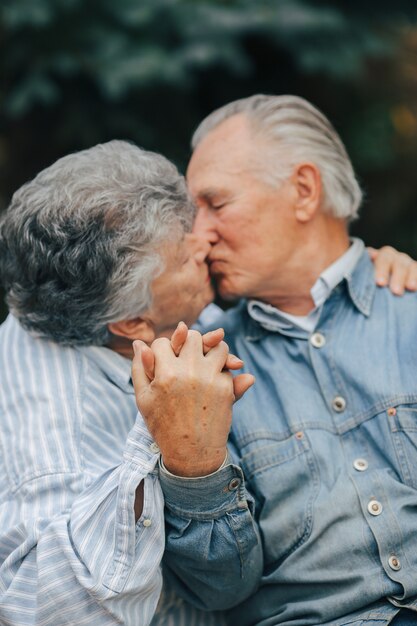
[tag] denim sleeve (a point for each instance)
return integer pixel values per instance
(212, 543)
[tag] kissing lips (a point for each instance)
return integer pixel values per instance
(216, 266)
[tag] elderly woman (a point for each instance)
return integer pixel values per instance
(95, 252)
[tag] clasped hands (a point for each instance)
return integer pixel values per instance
(185, 393)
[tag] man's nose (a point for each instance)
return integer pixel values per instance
(204, 226)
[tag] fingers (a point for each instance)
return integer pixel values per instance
(178, 338)
(195, 342)
(383, 260)
(216, 350)
(233, 362)
(218, 356)
(393, 268)
(148, 362)
(241, 383)
(212, 339)
(190, 351)
(140, 376)
(399, 273)
(193, 345)
(164, 356)
(189, 344)
(411, 280)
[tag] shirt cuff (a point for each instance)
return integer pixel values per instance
(207, 497)
(162, 466)
(140, 449)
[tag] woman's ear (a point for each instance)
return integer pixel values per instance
(137, 328)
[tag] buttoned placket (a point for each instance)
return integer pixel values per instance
(383, 523)
(320, 349)
(373, 499)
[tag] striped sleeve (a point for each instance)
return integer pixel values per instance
(72, 453)
(90, 563)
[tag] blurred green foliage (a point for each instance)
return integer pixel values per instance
(78, 72)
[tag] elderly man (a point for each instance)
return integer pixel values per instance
(326, 437)
(93, 254)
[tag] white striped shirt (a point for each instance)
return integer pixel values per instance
(73, 451)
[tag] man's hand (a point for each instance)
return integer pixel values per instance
(186, 400)
(393, 268)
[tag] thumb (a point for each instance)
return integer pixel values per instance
(241, 383)
(142, 367)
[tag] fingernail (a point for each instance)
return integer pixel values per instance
(235, 359)
(381, 281)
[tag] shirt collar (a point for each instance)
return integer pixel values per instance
(114, 366)
(336, 272)
(272, 319)
(361, 284)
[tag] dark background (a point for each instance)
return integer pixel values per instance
(78, 72)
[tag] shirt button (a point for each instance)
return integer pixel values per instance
(374, 507)
(394, 563)
(360, 464)
(147, 522)
(339, 404)
(154, 448)
(234, 484)
(317, 340)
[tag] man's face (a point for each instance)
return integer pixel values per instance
(249, 223)
(184, 288)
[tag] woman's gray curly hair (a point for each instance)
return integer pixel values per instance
(80, 243)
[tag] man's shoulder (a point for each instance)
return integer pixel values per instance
(372, 300)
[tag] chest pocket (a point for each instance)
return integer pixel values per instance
(403, 423)
(283, 477)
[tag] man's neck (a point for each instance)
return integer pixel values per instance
(294, 283)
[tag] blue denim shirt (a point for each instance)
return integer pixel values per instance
(327, 439)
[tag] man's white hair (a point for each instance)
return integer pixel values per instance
(297, 132)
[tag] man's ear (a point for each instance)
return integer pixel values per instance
(137, 328)
(309, 191)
